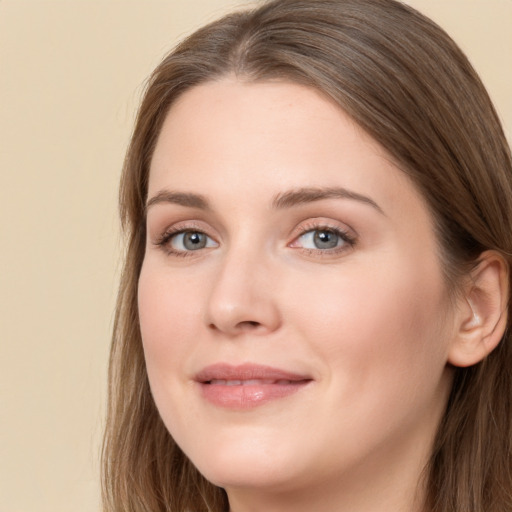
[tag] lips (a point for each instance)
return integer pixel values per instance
(250, 382)
(248, 385)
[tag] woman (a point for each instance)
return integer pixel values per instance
(314, 307)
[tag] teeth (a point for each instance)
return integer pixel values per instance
(256, 382)
(221, 382)
(250, 382)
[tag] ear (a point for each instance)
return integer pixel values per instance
(482, 313)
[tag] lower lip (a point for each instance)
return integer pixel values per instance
(249, 396)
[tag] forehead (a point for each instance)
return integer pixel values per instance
(258, 139)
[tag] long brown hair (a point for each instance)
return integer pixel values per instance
(405, 82)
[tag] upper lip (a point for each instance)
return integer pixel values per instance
(247, 371)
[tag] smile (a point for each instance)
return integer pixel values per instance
(251, 382)
(247, 386)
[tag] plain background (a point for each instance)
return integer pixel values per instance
(71, 74)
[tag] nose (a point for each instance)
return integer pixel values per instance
(242, 298)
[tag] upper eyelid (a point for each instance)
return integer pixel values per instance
(183, 232)
(168, 235)
(319, 223)
(345, 236)
(182, 226)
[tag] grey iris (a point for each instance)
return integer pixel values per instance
(194, 240)
(325, 239)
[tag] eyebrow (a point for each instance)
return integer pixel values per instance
(310, 195)
(181, 198)
(283, 200)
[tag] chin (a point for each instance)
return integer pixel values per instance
(255, 477)
(248, 463)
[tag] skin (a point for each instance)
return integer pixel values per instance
(370, 322)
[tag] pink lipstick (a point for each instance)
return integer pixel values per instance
(248, 385)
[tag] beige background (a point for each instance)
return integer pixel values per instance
(71, 73)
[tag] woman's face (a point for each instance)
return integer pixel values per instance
(293, 312)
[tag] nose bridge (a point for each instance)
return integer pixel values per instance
(241, 296)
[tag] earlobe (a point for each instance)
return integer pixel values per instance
(482, 315)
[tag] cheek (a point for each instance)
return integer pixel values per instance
(376, 328)
(382, 344)
(169, 315)
(170, 322)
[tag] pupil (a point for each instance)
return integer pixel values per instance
(325, 239)
(194, 241)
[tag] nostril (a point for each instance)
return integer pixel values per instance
(248, 325)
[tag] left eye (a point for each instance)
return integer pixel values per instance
(191, 241)
(322, 239)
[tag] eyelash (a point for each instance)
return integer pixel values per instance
(164, 240)
(349, 240)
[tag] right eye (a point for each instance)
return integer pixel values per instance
(186, 241)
